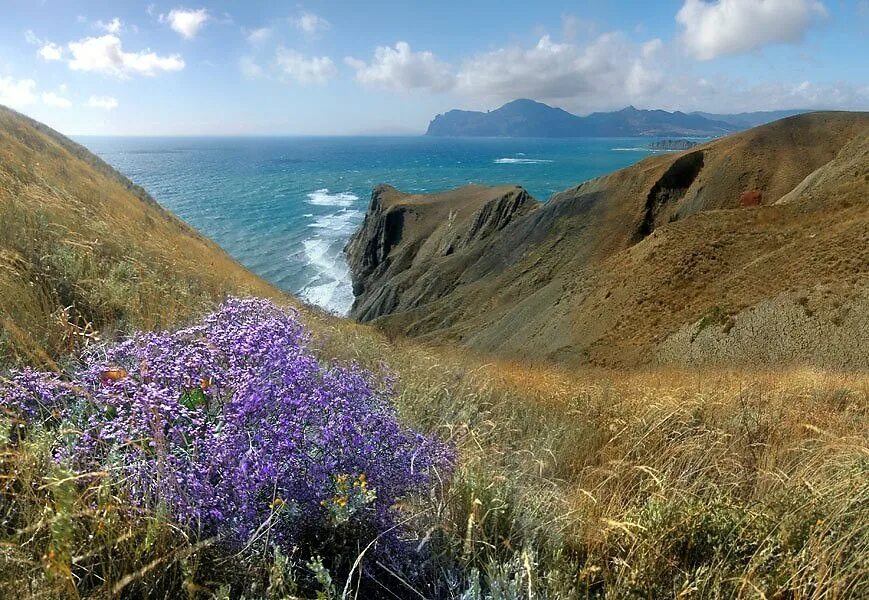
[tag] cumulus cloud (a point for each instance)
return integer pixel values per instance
(304, 69)
(103, 102)
(606, 69)
(50, 51)
(104, 54)
(400, 68)
(17, 92)
(726, 27)
(186, 21)
(113, 26)
(55, 99)
(310, 23)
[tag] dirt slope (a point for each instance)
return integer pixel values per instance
(751, 249)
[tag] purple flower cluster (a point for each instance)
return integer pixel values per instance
(235, 428)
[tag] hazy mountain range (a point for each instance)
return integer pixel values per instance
(528, 118)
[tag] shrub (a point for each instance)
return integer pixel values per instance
(236, 431)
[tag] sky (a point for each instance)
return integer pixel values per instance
(369, 67)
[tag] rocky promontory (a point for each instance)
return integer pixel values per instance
(398, 255)
(684, 258)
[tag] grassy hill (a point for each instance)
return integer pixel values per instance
(748, 250)
(84, 250)
(569, 482)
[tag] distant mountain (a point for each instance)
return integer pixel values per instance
(527, 118)
(747, 120)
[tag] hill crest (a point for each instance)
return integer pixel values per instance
(748, 249)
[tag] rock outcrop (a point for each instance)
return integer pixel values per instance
(659, 262)
(404, 236)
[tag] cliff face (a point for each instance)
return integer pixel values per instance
(661, 262)
(405, 237)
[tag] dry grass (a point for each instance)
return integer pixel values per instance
(659, 483)
(81, 247)
(704, 484)
(570, 483)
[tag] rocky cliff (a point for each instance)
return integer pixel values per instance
(404, 237)
(662, 262)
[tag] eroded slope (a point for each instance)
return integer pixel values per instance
(748, 249)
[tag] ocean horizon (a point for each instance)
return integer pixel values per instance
(284, 206)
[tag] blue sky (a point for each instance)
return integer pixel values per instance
(326, 67)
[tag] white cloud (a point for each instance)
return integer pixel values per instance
(652, 47)
(304, 69)
(54, 99)
(105, 55)
(31, 38)
(736, 26)
(256, 36)
(113, 26)
(401, 68)
(250, 69)
(17, 93)
(103, 102)
(50, 51)
(607, 69)
(185, 21)
(310, 23)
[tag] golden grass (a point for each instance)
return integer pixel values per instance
(657, 483)
(569, 484)
(81, 246)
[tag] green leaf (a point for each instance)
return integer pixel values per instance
(193, 399)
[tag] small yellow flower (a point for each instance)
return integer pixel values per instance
(277, 503)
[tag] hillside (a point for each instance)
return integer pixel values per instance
(82, 249)
(567, 483)
(748, 250)
(527, 118)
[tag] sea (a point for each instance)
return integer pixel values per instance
(285, 206)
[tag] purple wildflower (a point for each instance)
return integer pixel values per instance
(235, 428)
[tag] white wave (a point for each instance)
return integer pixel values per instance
(342, 222)
(322, 197)
(331, 288)
(521, 161)
(633, 150)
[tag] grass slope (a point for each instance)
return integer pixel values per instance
(82, 250)
(571, 483)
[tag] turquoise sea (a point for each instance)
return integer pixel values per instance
(285, 206)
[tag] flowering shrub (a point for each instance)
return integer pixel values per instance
(238, 431)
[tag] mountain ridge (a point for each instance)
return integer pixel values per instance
(529, 118)
(750, 249)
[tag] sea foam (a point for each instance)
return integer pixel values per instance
(520, 161)
(322, 197)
